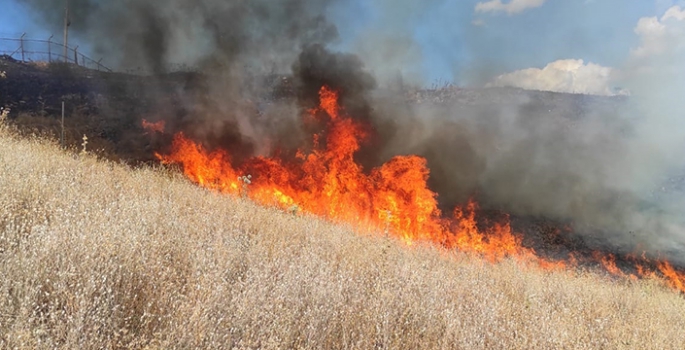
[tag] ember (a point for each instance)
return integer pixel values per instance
(154, 126)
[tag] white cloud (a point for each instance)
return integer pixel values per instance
(511, 7)
(660, 36)
(659, 59)
(478, 22)
(572, 76)
(674, 12)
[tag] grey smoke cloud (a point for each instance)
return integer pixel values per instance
(613, 166)
(157, 33)
(231, 44)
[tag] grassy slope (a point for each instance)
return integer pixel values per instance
(95, 255)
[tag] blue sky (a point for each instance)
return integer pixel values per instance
(600, 31)
(15, 19)
(456, 42)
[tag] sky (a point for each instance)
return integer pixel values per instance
(15, 19)
(529, 43)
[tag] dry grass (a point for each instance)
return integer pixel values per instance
(95, 255)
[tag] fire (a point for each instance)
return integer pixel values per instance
(609, 263)
(393, 198)
(211, 170)
(675, 278)
(154, 127)
(328, 182)
(329, 102)
(672, 277)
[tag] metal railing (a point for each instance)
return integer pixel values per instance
(35, 50)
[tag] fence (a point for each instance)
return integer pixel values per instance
(31, 50)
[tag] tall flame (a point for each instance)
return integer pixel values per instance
(393, 198)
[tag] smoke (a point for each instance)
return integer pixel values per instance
(388, 45)
(155, 35)
(612, 166)
(598, 162)
(317, 66)
(233, 47)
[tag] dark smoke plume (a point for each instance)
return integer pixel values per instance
(317, 66)
(231, 46)
(156, 35)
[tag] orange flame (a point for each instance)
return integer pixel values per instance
(675, 279)
(609, 263)
(329, 102)
(327, 181)
(393, 198)
(154, 127)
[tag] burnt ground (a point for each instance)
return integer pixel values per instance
(108, 108)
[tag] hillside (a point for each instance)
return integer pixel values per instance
(94, 254)
(108, 107)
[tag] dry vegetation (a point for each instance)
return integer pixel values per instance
(96, 255)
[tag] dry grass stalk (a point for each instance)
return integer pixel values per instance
(96, 255)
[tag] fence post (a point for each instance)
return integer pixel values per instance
(66, 32)
(99, 64)
(61, 135)
(76, 55)
(21, 41)
(50, 48)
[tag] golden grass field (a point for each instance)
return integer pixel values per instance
(96, 255)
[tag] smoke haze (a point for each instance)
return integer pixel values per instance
(600, 163)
